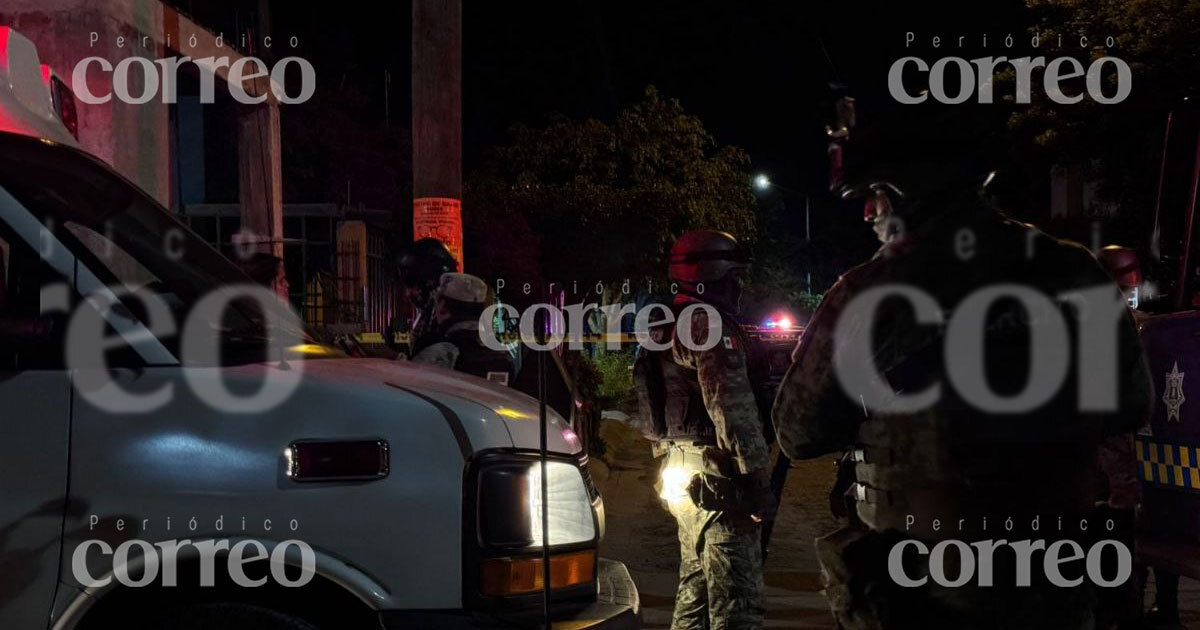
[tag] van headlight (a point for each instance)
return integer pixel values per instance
(505, 566)
(510, 505)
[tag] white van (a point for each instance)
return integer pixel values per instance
(376, 494)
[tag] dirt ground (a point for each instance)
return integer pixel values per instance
(641, 534)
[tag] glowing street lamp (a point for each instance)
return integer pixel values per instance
(762, 183)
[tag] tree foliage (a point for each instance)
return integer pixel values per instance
(1119, 144)
(604, 201)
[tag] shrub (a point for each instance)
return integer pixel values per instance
(616, 378)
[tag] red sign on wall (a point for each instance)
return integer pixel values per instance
(440, 218)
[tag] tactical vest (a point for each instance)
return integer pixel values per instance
(953, 460)
(477, 359)
(669, 397)
(669, 400)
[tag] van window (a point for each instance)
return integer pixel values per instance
(125, 268)
(28, 339)
(128, 241)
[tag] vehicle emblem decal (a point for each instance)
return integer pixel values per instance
(1173, 396)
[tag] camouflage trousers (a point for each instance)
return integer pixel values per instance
(720, 567)
(862, 595)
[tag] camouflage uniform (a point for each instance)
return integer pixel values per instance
(728, 394)
(720, 572)
(458, 347)
(441, 353)
(455, 344)
(952, 460)
(421, 331)
(720, 562)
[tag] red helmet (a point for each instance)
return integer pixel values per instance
(706, 256)
(1123, 265)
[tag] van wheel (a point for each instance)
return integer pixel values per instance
(232, 615)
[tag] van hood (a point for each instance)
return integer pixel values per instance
(480, 405)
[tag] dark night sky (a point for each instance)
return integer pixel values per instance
(754, 72)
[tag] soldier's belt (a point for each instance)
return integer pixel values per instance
(871, 455)
(862, 493)
(1170, 465)
(698, 443)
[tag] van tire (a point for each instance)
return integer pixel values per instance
(231, 615)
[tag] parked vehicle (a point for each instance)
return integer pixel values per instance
(375, 494)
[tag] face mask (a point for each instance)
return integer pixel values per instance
(737, 287)
(882, 225)
(878, 210)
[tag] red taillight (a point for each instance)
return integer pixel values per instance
(64, 104)
(62, 100)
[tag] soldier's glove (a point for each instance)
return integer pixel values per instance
(749, 495)
(759, 500)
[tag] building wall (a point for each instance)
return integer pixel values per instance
(138, 139)
(132, 138)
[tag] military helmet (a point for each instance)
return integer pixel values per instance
(424, 262)
(904, 157)
(1123, 265)
(463, 287)
(706, 256)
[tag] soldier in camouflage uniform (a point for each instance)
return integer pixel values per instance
(454, 343)
(953, 460)
(420, 269)
(700, 406)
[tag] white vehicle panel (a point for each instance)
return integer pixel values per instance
(187, 460)
(33, 471)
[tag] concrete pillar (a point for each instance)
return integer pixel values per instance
(437, 121)
(260, 181)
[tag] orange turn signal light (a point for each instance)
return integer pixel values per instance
(519, 576)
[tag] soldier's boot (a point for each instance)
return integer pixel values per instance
(1165, 613)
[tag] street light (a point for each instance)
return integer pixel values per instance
(763, 183)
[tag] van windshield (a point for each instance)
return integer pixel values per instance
(131, 244)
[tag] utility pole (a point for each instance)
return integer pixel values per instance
(807, 243)
(260, 171)
(437, 122)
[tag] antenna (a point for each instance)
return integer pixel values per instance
(545, 485)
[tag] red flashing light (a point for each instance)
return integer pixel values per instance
(781, 321)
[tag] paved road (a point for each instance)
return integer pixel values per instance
(642, 535)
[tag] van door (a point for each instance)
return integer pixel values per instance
(35, 394)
